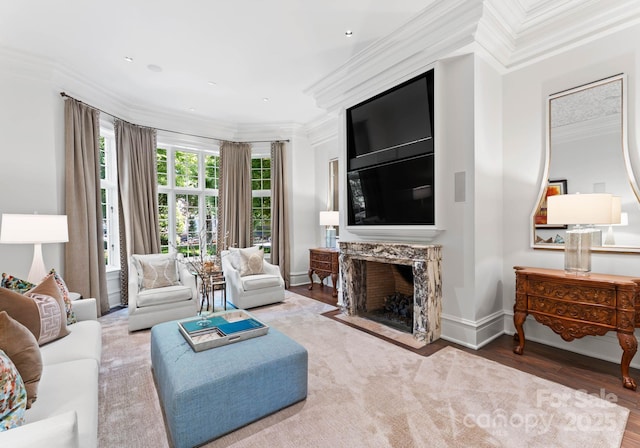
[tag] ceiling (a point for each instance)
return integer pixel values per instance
(217, 61)
(250, 49)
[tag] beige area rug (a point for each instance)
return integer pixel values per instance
(365, 392)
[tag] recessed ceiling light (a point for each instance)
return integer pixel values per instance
(348, 33)
(192, 109)
(128, 59)
(154, 68)
(265, 99)
(211, 83)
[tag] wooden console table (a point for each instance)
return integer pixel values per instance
(324, 262)
(576, 306)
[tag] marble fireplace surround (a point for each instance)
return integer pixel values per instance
(427, 280)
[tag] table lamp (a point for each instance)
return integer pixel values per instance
(583, 211)
(330, 219)
(36, 230)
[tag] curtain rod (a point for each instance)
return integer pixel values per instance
(219, 140)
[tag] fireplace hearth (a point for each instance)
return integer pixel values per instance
(417, 310)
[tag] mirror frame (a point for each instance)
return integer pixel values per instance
(545, 175)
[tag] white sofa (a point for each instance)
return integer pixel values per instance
(65, 413)
(252, 290)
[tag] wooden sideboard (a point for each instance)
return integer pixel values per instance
(576, 306)
(324, 262)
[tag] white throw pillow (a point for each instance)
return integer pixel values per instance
(251, 261)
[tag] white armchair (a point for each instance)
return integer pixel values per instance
(254, 290)
(160, 289)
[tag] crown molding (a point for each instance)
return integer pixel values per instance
(438, 30)
(322, 130)
(554, 26)
(514, 33)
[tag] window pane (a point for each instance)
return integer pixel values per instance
(211, 223)
(211, 169)
(187, 224)
(103, 167)
(163, 221)
(186, 166)
(161, 159)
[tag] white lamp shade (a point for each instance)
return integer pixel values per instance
(31, 229)
(592, 208)
(329, 218)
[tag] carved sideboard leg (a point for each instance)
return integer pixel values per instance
(518, 319)
(629, 345)
(311, 279)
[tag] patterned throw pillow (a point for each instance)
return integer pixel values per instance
(13, 395)
(251, 261)
(62, 286)
(22, 347)
(36, 311)
(15, 284)
(159, 273)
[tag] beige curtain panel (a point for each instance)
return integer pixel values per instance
(234, 196)
(280, 211)
(137, 194)
(84, 253)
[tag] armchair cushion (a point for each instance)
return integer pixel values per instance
(254, 282)
(168, 294)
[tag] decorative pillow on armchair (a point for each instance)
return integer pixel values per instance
(156, 270)
(251, 260)
(13, 395)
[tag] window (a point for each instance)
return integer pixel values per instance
(261, 202)
(109, 199)
(187, 198)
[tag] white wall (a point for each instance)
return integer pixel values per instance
(525, 92)
(31, 147)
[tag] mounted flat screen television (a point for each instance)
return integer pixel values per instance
(399, 193)
(390, 151)
(393, 125)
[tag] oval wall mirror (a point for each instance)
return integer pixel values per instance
(587, 153)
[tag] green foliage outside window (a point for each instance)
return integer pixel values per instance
(186, 168)
(161, 159)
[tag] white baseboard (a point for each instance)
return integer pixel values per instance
(472, 334)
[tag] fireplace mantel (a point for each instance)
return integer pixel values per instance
(426, 263)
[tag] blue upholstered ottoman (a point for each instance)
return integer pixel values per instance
(213, 392)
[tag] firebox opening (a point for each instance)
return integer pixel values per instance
(389, 295)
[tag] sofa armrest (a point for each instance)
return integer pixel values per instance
(59, 431)
(85, 309)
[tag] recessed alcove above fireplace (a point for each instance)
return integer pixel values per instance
(369, 276)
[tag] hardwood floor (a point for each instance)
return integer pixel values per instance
(570, 369)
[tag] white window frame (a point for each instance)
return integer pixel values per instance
(110, 184)
(171, 190)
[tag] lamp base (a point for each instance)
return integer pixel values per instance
(330, 238)
(577, 251)
(37, 271)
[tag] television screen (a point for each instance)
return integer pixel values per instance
(391, 126)
(397, 193)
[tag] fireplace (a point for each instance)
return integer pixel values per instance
(389, 295)
(372, 272)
